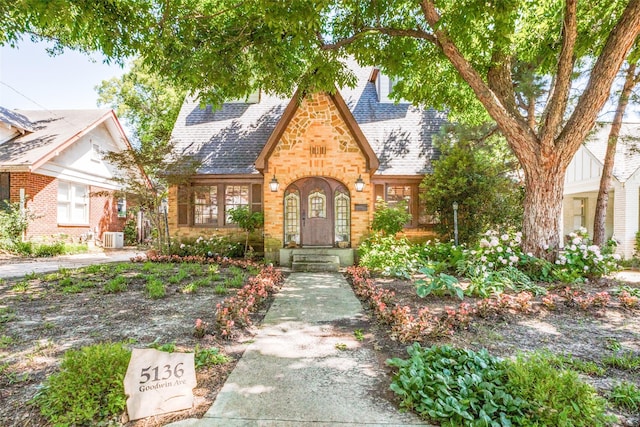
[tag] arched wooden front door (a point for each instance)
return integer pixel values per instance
(316, 209)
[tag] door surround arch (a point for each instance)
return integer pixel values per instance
(317, 213)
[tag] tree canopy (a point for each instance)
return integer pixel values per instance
(512, 60)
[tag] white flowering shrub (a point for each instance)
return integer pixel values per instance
(207, 247)
(580, 258)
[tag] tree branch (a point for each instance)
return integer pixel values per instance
(518, 134)
(596, 93)
(364, 31)
(557, 104)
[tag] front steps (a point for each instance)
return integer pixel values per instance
(316, 259)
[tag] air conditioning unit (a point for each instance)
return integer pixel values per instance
(113, 239)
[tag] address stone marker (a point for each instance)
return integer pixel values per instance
(158, 382)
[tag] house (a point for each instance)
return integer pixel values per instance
(51, 163)
(582, 181)
(314, 164)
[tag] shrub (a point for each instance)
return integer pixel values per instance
(556, 397)
(48, 249)
(89, 388)
(390, 220)
(13, 223)
(459, 387)
(216, 246)
(443, 256)
(455, 387)
(582, 259)
(388, 255)
(130, 231)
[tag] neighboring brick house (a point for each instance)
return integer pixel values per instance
(319, 148)
(582, 182)
(51, 163)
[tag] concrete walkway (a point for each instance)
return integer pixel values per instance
(294, 373)
(18, 267)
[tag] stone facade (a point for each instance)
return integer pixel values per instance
(316, 142)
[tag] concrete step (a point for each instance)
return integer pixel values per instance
(315, 262)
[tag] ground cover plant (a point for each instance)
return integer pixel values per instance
(580, 340)
(47, 319)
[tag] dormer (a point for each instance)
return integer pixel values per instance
(384, 86)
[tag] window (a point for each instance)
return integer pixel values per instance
(342, 207)
(122, 207)
(5, 189)
(292, 217)
(579, 213)
(317, 204)
(208, 205)
(398, 193)
(205, 202)
(235, 196)
(73, 203)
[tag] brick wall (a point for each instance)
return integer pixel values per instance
(42, 200)
(316, 142)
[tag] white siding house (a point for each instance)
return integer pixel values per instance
(582, 182)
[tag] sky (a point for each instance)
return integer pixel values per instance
(31, 79)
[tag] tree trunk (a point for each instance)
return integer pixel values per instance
(542, 208)
(600, 217)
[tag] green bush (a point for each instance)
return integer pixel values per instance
(48, 249)
(213, 246)
(390, 220)
(557, 397)
(444, 256)
(389, 255)
(88, 389)
(13, 223)
(456, 387)
(130, 231)
(459, 387)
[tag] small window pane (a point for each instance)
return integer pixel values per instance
(235, 196)
(317, 204)
(292, 218)
(342, 217)
(206, 205)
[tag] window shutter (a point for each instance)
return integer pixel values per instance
(379, 192)
(256, 197)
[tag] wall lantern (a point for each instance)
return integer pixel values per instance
(359, 184)
(274, 184)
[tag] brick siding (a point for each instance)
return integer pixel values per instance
(42, 200)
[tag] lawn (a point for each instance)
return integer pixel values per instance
(140, 304)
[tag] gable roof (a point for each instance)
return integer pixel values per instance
(370, 157)
(229, 140)
(51, 132)
(627, 159)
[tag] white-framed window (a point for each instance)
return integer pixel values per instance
(579, 212)
(342, 206)
(292, 217)
(73, 203)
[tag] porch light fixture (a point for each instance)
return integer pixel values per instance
(274, 184)
(359, 184)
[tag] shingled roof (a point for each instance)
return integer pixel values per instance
(48, 132)
(229, 140)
